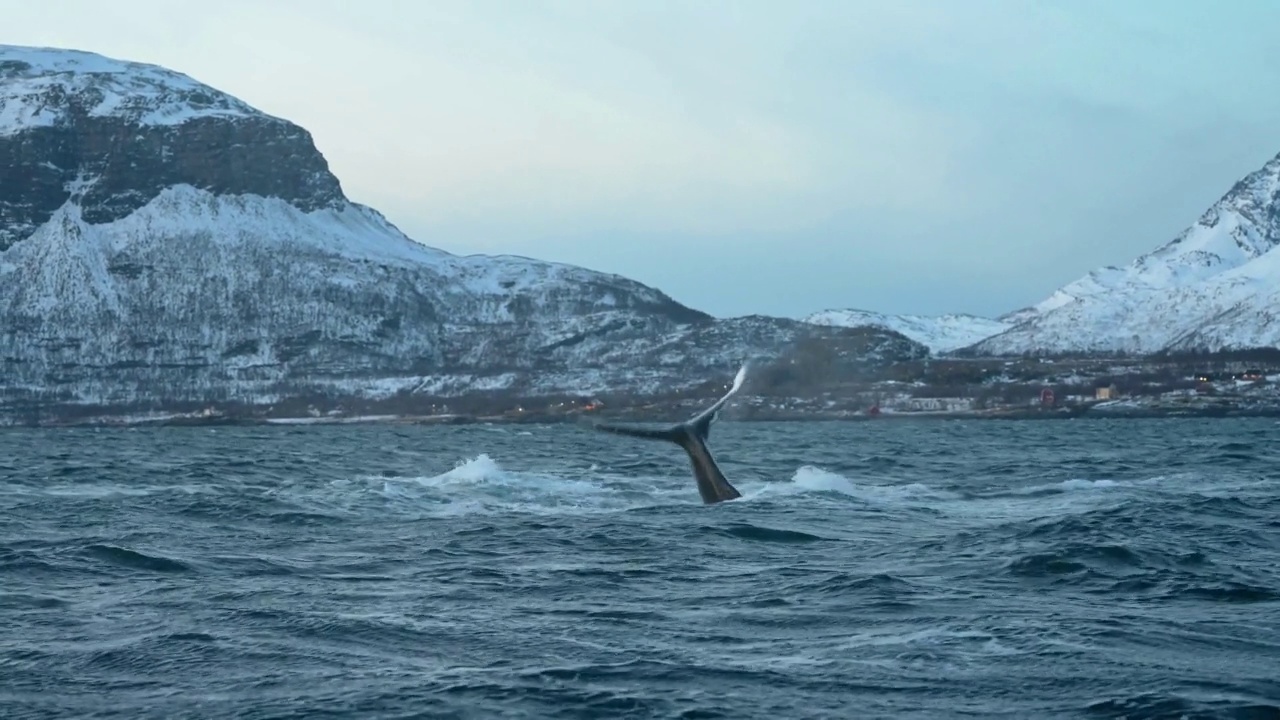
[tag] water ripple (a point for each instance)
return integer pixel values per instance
(909, 569)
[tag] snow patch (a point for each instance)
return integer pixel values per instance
(33, 77)
(941, 333)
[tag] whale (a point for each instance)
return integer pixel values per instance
(692, 435)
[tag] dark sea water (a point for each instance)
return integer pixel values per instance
(930, 569)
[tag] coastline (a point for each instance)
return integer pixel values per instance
(535, 418)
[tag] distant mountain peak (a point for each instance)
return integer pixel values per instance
(114, 134)
(939, 333)
(1242, 225)
(1214, 286)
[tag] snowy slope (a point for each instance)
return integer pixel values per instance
(940, 333)
(1213, 287)
(34, 78)
(246, 293)
(197, 296)
(161, 241)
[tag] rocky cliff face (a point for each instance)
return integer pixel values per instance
(162, 242)
(117, 134)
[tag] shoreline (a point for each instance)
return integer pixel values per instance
(1036, 414)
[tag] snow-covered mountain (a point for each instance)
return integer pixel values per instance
(162, 241)
(1216, 286)
(940, 333)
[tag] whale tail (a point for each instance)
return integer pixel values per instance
(692, 435)
(699, 425)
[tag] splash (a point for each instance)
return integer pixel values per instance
(480, 485)
(475, 470)
(810, 480)
(819, 480)
(1082, 484)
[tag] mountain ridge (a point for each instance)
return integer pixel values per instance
(162, 257)
(940, 333)
(1213, 287)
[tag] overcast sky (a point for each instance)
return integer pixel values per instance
(905, 156)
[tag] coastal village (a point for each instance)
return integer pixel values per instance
(975, 388)
(1245, 391)
(1031, 389)
(938, 388)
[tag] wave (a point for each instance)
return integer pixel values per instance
(101, 490)
(480, 485)
(1077, 560)
(134, 560)
(26, 601)
(815, 482)
(765, 534)
(1157, 705)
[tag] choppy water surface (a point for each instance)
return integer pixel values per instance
(1099, 569)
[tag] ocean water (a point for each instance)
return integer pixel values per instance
(901, 569)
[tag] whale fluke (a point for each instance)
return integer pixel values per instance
(692, 435)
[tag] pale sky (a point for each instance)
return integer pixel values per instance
(903, 156)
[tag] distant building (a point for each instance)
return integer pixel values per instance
(1106, 392)
(942, 404)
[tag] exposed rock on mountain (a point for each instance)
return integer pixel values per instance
(117, 134)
